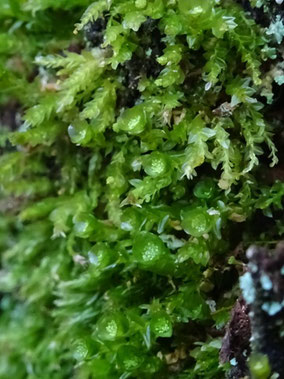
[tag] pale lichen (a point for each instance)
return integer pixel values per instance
(247, 286)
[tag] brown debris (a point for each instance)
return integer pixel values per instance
(236, 344)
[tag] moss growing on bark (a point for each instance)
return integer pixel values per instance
(139, 149)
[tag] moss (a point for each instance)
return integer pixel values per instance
(132, 140)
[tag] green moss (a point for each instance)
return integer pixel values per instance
(259, 366)
(140, 134)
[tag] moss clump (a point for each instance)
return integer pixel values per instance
(132, 170)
